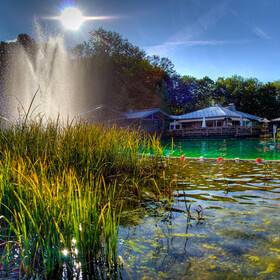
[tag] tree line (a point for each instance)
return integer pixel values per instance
(123, 76)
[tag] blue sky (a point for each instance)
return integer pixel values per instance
(215, 38)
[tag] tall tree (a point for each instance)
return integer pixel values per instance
(120, 73)
(268, 101)
(163, 63)
(176, 93)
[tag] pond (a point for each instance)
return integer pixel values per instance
(230, 149)
(232, 233)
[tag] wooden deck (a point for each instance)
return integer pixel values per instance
(216, 131)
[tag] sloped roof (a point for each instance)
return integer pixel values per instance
(246, 115)
(143, 113)
(275, 120)
(211, 112)
(249, 116)
(216, 111)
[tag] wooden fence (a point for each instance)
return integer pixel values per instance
(219, 131)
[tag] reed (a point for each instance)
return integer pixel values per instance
(58, 221)
(84, 147)
(59, 195)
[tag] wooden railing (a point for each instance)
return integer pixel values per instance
(228, 131)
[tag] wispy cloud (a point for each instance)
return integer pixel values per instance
(260, 33)
(166, 48)
(191, 34)
(202, 24)
(254, 28)
(191, 43)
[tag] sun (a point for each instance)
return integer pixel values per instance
(71, 18)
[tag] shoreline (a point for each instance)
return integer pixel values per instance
(224, 159)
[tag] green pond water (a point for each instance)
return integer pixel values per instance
(230, 149)
(236, 237)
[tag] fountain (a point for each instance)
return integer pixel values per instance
(42, 83)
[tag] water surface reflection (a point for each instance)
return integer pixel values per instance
(244, 149)
(237, 237)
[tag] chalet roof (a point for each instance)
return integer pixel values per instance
(245, 115)
(211, 112)
(144, 113)
(249, 116)
(216, 111)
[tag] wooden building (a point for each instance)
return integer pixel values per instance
(151, 120)
(216, 120)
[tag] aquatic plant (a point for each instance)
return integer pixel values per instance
(60, 189)
(45, 214)
(110, 151)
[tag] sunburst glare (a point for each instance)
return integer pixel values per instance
(72, 18)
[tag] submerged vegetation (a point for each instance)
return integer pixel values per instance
(223, 223)
(61, 193)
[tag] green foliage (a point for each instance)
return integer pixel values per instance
(163, 63)
(111, 43)
(60, 189)
(248, 95)
(121, 75)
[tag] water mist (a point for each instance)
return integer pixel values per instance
(50, 73)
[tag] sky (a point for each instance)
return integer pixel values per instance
(214, 38)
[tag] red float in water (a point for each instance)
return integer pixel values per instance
(259, 160)
(220, 158)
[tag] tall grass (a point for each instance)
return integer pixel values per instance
(59, 196)
(87, 148)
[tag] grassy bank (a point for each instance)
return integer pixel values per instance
(59, 192)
